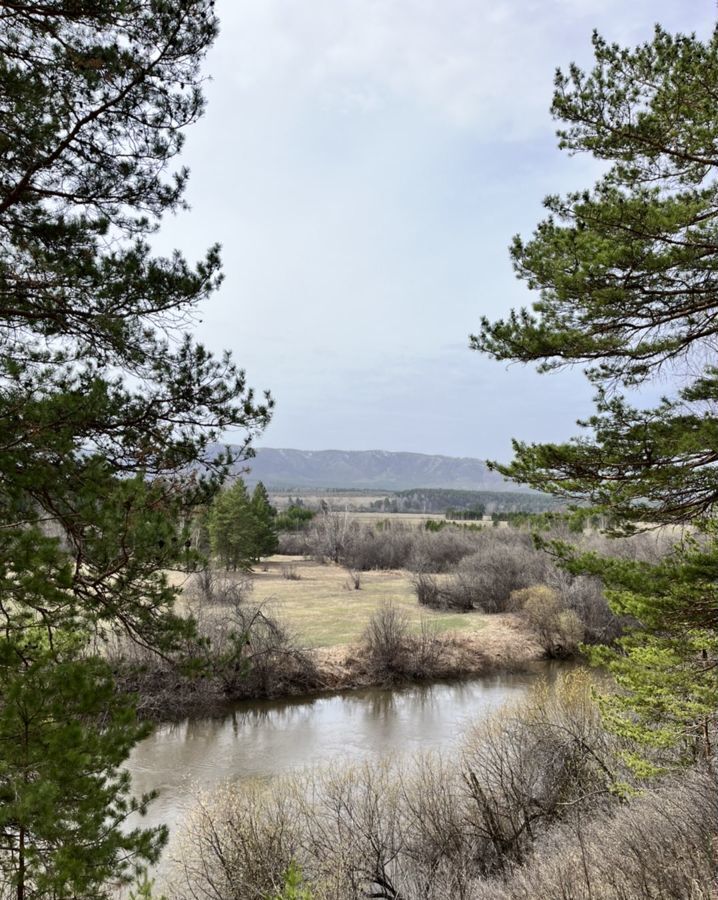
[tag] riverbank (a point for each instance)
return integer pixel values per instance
(165, 693)
(503, 645)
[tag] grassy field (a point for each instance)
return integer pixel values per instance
(324, 609)
(414, 519)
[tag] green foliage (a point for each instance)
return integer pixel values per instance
(106, 406)
(294, 518)
(666, 666)
(266, 540)
(435, 525)
(108, 412)
(627, 275)
(231, 527)
(63, 798)
(145, 890)
(294, 888)
(627, 278)
(242, 529)
(472, 513)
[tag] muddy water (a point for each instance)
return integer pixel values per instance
(264, 739)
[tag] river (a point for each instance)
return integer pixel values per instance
(268, 738)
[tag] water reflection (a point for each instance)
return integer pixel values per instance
(268, 738)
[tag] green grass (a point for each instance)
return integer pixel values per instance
(325, 611)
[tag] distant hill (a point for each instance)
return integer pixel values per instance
(370, 470)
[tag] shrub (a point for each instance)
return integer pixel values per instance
(558, 629)
(386, 640)
(238, 653)
(501, 563)
(237, 844)
(379, 548)
(379, 830)
(335, 537)
(254, 654)
(527, 767)
(527, 810)
(427, 589)
(391, 651)
(659, 845)
(450, 594)
(216, 587)
(295, 543)
(443, 550)
(584, 596)
(329, 536)
(354, 581)
(506, 562)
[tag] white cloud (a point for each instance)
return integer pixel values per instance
(364, 164)
(480, 65)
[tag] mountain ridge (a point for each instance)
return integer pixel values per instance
(287, 468)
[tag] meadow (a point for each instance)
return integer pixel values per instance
(322, 606)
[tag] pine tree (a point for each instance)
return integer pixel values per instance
(232, 528)
(108, 409)
(64, 800)
(105, 404)
(666, 666)
(627, 277)
(266, 541)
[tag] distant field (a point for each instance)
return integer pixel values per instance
(350, 501)
(413, 518)
(325, 612)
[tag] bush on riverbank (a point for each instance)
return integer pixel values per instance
(529, 796)
(558, 628)
(241, 651)
(390, 651)
(659, 845)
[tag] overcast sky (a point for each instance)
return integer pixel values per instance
(364, 164)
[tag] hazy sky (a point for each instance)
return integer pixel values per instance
(364, 164)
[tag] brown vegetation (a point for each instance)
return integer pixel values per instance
(460, 569)
(259, 649)
(558, 628)
(245, 650)
(527, 809)
(658, 846)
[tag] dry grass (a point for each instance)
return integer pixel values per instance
(325, 613)
(322, 620)
(415, 519)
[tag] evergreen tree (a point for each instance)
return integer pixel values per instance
(266, 541)
(107, 408)
(232, 528)
(63, 798)
(627, 276)
(666, 665)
